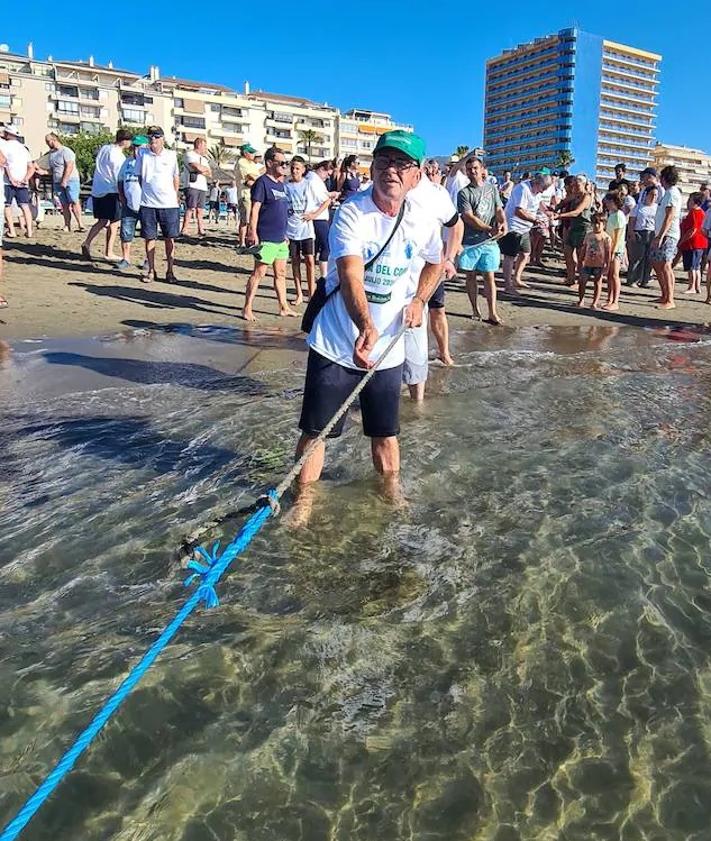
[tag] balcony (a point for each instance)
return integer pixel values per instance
(629, 86)
(626, 73)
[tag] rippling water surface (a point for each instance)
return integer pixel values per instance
(523, 653)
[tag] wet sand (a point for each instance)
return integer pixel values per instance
(53, 292)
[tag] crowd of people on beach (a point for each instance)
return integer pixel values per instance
(381, 244)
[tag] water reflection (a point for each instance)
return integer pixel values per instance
(521, 654)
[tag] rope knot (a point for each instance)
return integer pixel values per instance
(272, 500)
(206, 592)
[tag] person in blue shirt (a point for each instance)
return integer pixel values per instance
(267, 229)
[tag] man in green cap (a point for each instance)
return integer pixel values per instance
(247, 170)
(378, 239)
(130, 198)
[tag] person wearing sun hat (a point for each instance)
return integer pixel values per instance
(18, 170)
(247, 170)
(378, 239)
(130, 197)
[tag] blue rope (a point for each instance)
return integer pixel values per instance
(208, 574)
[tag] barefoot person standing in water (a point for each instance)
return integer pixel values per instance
(377, 239)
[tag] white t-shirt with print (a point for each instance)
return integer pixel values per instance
(521, 196)
(671, 198)
(360, 229)
(200, 183)
(157, 173)
(316, 195)
(232, 194)
(109, 160)
(454, 183)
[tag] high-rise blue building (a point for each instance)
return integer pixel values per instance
(573, 93)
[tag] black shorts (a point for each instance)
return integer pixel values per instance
(692, 259)
(327, 386)
(301, 248)
(107, 207)
(592, 272)
(436, 302)
(195, 199)
(514, 242)
(321, 239)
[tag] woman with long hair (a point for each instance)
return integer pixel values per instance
(579, 225)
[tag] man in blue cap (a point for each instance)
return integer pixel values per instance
(377, 240)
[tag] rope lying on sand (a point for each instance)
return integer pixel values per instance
(208, 574)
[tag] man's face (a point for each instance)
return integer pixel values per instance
(507, 175)
(248, 155)
(51, 141)
(432, 171)
(156, 144)
(201, 147)
(124, 144)
(619, 172)
(394, 174)
(475, 171)
(276, 167)
(648, 180)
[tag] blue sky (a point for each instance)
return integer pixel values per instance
(414, 60)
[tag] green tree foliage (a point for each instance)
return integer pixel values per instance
(461, 151)
(221, 154)
(564, 160)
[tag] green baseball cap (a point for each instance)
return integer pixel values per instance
(140, 140)
(410, 144)
(248, 148)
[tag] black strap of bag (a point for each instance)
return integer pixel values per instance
(318, 300)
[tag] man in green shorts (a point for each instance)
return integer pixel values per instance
(267, 229)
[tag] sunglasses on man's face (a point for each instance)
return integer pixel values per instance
(281, 163)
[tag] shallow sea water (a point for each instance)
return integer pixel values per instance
(523, 653)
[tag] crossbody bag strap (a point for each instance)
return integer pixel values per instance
(381, 251)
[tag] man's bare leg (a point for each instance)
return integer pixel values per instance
(94, 232)
(186, 220)
(67, 214)
(312, 469)
(280, 289)
(417, 392)
(10, 221)
(386, 460)
(490, 294)
(310, 274)
(150, 273)
(296, 272)
(473, 293)
(440, 330)
(27, 216)
(521, 263)
(76, 210)
(111, 233)
(169, 257)
(507, 271)
(257, 276)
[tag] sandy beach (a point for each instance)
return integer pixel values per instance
(53, 292)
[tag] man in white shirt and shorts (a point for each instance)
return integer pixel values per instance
(197, 170)
(365, 308)
(521, 210)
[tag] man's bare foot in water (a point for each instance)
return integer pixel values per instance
(287, 312)
(248, 315)
(446, 358)
(495, 320)
(299, 515)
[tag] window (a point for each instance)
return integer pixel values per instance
(49, 86)
(67, 90)
(281, 133)
(68, 107)
(4, 100)
(281, 117)
(67, 128)
(91, 128)
(178, 102)
(214, 108)
(193, 122)
(88, 111)
(233, 112)
(133, 115)
(19, 121)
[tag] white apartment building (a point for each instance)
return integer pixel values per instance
(359, 130)
(694, 165)
(82, 96)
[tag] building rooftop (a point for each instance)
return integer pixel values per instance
(190, 84)
(281, 97)
(92, 65)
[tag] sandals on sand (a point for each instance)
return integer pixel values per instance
(3, 303)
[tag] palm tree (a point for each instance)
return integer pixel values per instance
(461, 151)
(221, 154)
(564, 160)
(309, 137)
